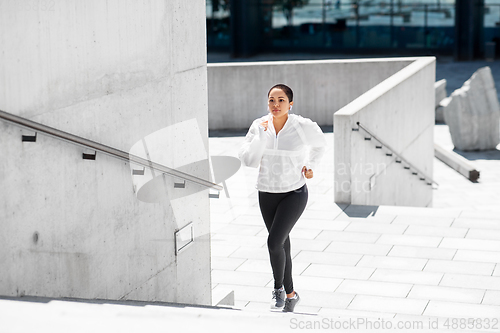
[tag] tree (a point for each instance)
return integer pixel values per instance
(287, 7)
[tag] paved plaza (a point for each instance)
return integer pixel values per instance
(373, 262)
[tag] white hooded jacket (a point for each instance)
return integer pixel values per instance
(281, 157)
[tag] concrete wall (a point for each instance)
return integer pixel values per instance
(400, 112)
(237, 92)
(114, 72)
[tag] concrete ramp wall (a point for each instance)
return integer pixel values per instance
(237, 92)
(113, 72)
(399, 112)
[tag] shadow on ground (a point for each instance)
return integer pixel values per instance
(493, 154)
(360, 211)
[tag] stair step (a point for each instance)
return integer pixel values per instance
(222, 296)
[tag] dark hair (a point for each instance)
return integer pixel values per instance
(286, 89)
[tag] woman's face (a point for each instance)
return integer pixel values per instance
(278, 103)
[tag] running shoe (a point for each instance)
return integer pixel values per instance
(290, 303)
(278, 300)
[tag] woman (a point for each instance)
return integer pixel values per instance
(278, 142)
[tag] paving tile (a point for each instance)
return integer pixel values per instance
(220, 209)
(315, 283)
(214, 227)
(241, 229)
(304, 233)
(374, 227)
(256, 265)
(347, 319)
(249, 209)
(374, 288)
(479, 256)
(471, 281)
(358, 248)
(299, 244)
(319, 215)
(461, 310)
(239, 304)
(491, 297)
(222, 250)
(496, 272)
(324, 299)
(246, 293)
(264, 266)
(436, 231)
(415, 264)
(440, 293)
(318, 224)
(420, 211)
(241, 240)
(382, 219)
(241, 278)
(328, 206)
(410, 240)
(336, 271)
(459, 267)
(484, 234)
(421, 252)
(225, 263)
(219, 218)
(327, 258)
(406, 276)
(345, 236)
(388, 304)
(470, 244)
(476, 223)
(251, 253)
(249, 220)
(424, 221)
(480, 215)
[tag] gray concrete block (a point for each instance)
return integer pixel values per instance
(456, 162)
(473, 113)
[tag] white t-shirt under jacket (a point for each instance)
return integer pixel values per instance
(281, 157)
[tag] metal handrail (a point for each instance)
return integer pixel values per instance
(74, 139)
(398, 155)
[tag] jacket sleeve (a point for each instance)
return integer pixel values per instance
(253, 148)
(315, 140)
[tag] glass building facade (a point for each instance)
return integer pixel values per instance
(350, 26)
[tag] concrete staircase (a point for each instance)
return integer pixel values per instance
(30, 314)
(394, 263)
(389, 262)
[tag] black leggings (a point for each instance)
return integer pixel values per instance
(280, 212)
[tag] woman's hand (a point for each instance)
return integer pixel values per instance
(308, 173)
(264, 124)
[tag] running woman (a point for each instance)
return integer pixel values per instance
(286, 147)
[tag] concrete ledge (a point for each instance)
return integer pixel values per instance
(237, 92)
(398, 115)
(456, 162)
